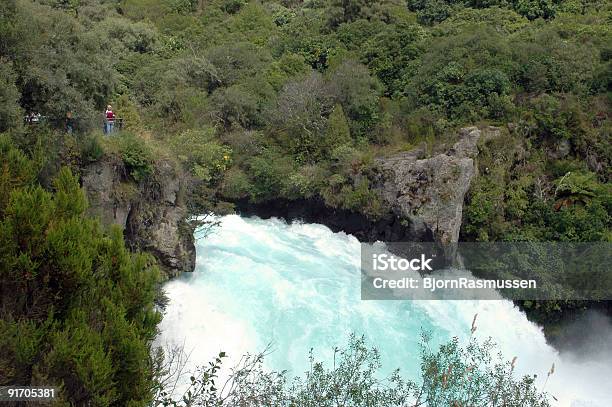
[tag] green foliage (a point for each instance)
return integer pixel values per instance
(306, 182)
(391, 54)
(303, 107)
(268, 100)
(232, 6)
(513, 200)
(517, 198)
(136, 155)
(204, 156)
(76, 309)
(288, 66)
(361, 198)
(290, 77)
(235, 106)
(450, 370)
(92, 149)
(128, 111)
(236, 184)
(503, 19)
(435, 11)
(10, 112)
(533, 9)
(17, 170)
(452, 374)
(338, 132)
(352, 86)
(269, 173)
(61, 70)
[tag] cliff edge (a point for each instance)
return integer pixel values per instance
(430, 191)
(152, 212)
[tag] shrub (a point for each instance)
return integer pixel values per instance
(11, 114)
(342, 192)
(355, 378)
(338, 132)
(236, 184)
(301, 117)
(235, 106)
(352, 86)
(91, 149)
(304, 183)
(136, 156)
(269, 173)
(202, 154)
(232, 6)
(17, 170)
(91, 323)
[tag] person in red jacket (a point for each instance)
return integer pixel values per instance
(109, 120)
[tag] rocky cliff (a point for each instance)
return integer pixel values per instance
(152, 213)
(429, 192)
(422, 195)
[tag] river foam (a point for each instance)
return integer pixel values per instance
(297, 287)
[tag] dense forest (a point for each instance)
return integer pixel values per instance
(261, 100)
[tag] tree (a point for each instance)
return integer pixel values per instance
(351, 85)
(338, 132)
(11, 114)
(346, 11)
(301, 116)
(76, 308)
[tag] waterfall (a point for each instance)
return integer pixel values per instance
(297, 287)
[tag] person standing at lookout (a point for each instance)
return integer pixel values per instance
(109, 120)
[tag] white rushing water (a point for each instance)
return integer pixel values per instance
(298, 287)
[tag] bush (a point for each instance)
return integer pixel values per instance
(301, 117)
(232, 6)
(352, 86)
(357, 196)
(354, 377)
(205, 157)
(11, 114)
(136, 156)
(90, 327)
(91, 149)
(235, 106)
(338, 132)
(236, 184)
(269, 173)
(304, 183)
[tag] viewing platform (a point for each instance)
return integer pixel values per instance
(69, 124)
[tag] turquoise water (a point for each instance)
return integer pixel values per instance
(297, 287)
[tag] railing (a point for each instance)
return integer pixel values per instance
(71, 124)
(112, 126)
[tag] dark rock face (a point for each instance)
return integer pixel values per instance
(151, 213)
(424, 199)
(389, 228)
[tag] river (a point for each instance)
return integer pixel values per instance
(297, 286)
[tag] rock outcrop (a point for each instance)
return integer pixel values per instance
(423, 196)
(429, 192)
(151, 213)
